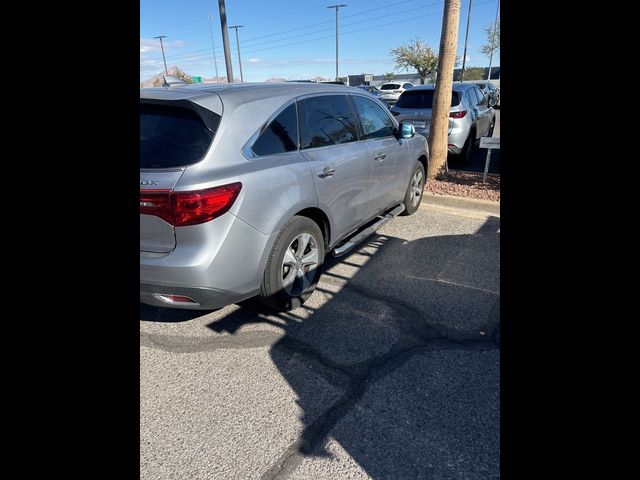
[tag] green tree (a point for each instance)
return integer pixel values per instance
(417, 55)
(389, 77)
(474, 73)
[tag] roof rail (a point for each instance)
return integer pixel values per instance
(170, 80)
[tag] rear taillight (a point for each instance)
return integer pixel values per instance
(189, 208)
(458, 114)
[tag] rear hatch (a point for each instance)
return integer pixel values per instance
(173, 135)
(390, 90)
(415, 106)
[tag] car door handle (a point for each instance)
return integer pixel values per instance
(327, 172)
(381, 156)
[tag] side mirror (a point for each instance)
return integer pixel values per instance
(407, 130)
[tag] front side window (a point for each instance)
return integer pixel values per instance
(326, 120)
(375, 122)
(280, 136)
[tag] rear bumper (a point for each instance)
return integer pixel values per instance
(216, 264)
(206, 298)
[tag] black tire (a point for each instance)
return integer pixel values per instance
(415, 190)
(468, 148)
(273, 292)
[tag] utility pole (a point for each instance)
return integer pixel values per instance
(337, 7)
(225, 40)
(493, 39)
(162, 47)
(215, 62)
(442, 96)
(238, 46)
(464, 55)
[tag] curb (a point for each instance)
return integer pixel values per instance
(461, 202)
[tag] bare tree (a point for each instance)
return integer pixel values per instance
(175, 72)
(417, 55)
(493, 36)
(493, 39)
(438, 132)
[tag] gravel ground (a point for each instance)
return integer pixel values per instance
(462, 184)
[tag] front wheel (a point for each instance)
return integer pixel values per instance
(293, 267)
(413, 195)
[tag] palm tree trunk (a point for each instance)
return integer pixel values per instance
(442, 96)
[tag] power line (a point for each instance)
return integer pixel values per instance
(179, 57)
(246, 42)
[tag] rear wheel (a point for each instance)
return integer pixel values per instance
(468, 148)
(293, 266)
(415, 190)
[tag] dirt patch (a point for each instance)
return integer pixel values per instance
(464, 184)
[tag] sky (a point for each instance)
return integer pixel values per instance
(296, 39)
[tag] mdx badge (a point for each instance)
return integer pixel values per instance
(148, 182)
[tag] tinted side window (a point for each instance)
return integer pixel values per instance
(326, 120)
(281, 135)
(375, 122)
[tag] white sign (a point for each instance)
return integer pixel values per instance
(490, 142)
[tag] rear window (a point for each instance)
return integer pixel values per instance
(422, 99)
(171, 136)
(390, 86)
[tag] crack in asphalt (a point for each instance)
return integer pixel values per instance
(313, 436)
(417, 333)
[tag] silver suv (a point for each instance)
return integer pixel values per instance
(470, 117)
(245, 187)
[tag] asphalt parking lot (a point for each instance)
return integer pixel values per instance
(390, 371)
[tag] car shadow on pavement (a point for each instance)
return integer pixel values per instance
(406, 335)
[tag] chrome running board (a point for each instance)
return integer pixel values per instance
(367, 232)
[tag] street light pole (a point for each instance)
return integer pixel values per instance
(215, 62)
(337, 7)
(225, 40)
(493, 39)
(162, 47)
(238, 45)
(464, 55)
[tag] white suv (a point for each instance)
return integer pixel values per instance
(391, 91)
